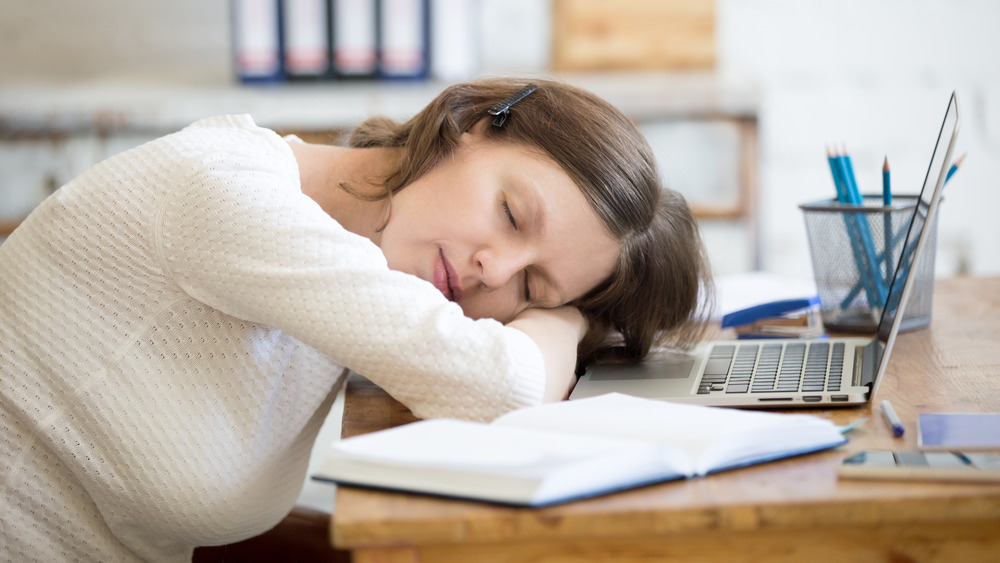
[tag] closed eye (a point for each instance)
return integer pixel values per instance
(510, 214)
(513, 222)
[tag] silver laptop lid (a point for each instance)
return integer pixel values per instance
(917, 236)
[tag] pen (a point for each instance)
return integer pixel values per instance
(890, 417)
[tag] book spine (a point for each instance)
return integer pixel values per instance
(257, 40)
(355, 38)
(403, 38)
(306, 39)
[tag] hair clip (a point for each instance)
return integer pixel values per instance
(502, 110)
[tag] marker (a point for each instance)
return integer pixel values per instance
(890, 417)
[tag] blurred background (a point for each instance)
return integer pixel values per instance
(739, 98)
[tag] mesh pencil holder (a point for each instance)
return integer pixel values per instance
(853, 270)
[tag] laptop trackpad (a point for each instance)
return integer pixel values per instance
(672, 367)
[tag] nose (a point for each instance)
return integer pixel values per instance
(498, 266)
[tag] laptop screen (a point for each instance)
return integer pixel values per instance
(917, 235)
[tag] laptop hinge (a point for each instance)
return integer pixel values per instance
(865, 363)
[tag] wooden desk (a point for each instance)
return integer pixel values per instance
(794, 509)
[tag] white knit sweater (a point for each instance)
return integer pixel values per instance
(174, 325)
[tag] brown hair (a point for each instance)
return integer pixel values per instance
(657, 293)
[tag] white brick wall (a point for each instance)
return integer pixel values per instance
(67, 39)
(875, 75)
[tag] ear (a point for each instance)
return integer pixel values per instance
(478, 129)
(476, 134)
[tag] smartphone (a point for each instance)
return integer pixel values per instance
(925, 466)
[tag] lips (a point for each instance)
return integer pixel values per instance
(446, 279)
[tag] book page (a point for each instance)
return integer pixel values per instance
(460, 444)
(711, 436)
(494, 462)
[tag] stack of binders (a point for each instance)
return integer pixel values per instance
(319, 40)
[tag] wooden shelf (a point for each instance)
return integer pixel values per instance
(110, 105)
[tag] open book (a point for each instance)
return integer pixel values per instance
(572, 449)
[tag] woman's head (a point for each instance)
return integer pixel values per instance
(652, 288)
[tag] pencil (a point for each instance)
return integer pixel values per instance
(858, 234)
(887, 222)
(954, 168)
(852, 183)
(869, 258)
(886, 190)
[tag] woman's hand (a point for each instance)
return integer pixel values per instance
(557, 333)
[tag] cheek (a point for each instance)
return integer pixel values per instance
(387, 244)
(493, 305)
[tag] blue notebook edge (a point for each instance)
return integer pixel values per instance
(768, 310)
(539, 504)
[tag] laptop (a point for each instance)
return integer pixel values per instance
(789, 373)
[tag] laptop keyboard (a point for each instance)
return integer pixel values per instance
(773, 368)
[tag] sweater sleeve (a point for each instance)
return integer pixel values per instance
(239, 236)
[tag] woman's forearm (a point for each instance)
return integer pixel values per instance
(557, 333)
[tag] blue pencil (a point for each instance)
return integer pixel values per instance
(913, 243)
(887, 222)
(854, 232)
(852, 184)
(886, 190)
(869, 258)
(852, 235)
(954, 168)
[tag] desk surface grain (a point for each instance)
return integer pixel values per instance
(951, 366)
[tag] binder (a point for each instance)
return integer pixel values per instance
(355, 38)
(306, 39)
(257, 40)
(404, 38)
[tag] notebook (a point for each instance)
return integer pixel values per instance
(788, 373)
